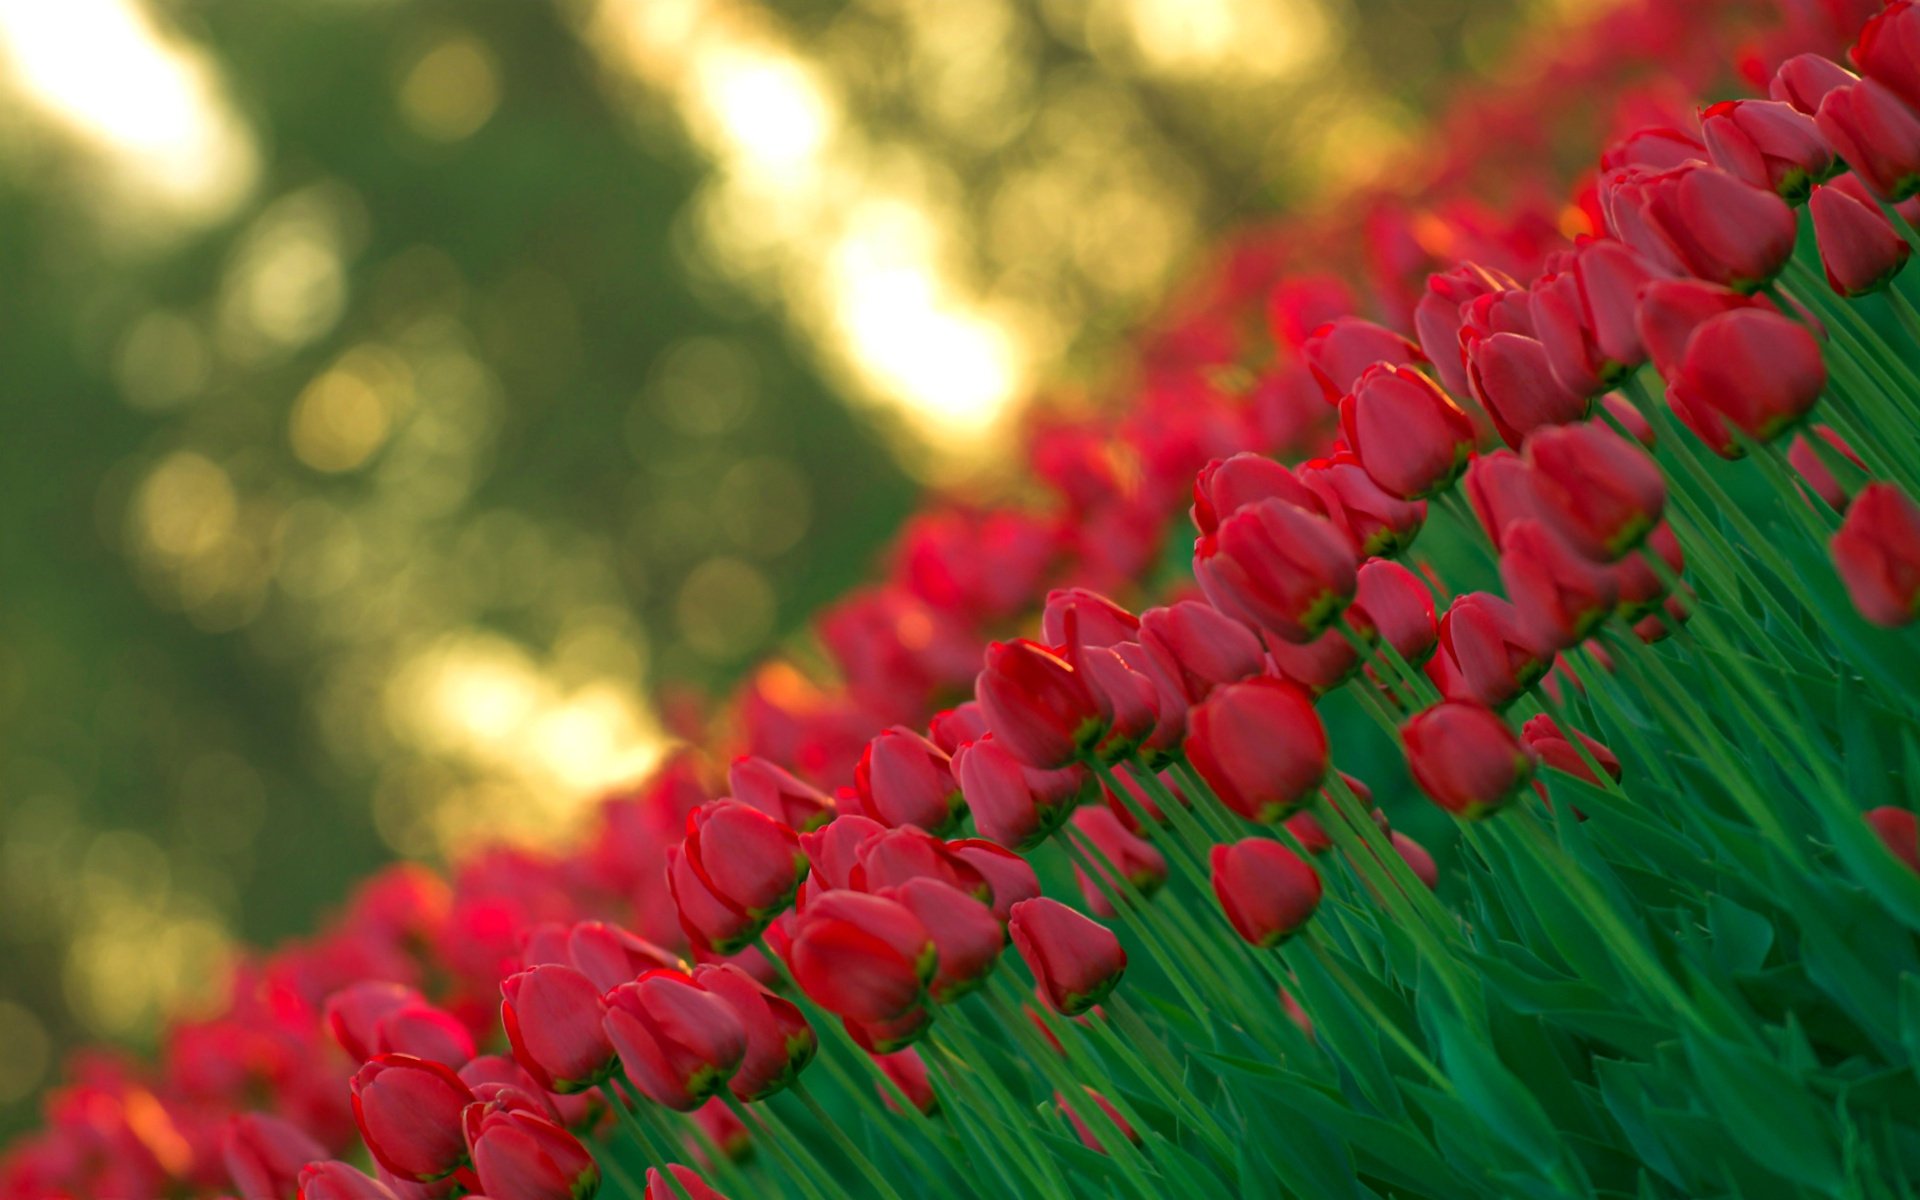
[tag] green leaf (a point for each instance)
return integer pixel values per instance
(1768, 1108)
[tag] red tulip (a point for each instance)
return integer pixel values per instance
(1037, 705)
(1584, 314)
(610, 956)
(1888, 50)
(834, 850)
(1804, 80)
(862, 957)
(420, 1029)
(1127, 698)
(1769, 144)
(1486, 653)
(1561, 596)
(1437, 317)
(1012, 803)
(264, 1155)
(897, 855)
(961, 725)
(1697, 220)
(1394, 604)
(1417, 859)
(780, 1041)
(1877, 134)
(1277, 567)
(334, 1180)
(1600, 491)
(1814, 471)
(1116, 853)
(1877, 552)
(1373, 521)
(1340, 351)
(1083, 617)
(1227, 485)
(967, 937)
(1410, 436)
(1672, 309)
(1075, 960)
(1512, 378)
(691, 1186)
(1465, 758)
(1657, 147)
(1899, 832)
(353, 1012)
(1096, 1141)
(1318, 666)
(1500, 488)
(886, 1037)
(1196, 648)
(717, 1128)
(708, 919)
(907, 1071)
(408, 1111)
(521, 1156)
(1860, 250)
(904, 779)
(1260, 746)
(1556, 753)
(1313, 837)
(553, 1016)
(779, 794)
(1010, 876)
(1267, 891)
(748, 859)
(1640, 588)
(679, 1043)
(1755, 370)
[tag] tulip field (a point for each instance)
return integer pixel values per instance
(1450, 728)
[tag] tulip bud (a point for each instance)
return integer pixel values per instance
(1341, 350)
(1012, 803)
(961, 725)
(498, 1072)
(1813, 468)
(1600, 491)
(1437, 317)
(1756, 370)
(544, 943)
(777, 793)
(1410, 436)
(353, 1012)
(420, 1029)
(1487, 655)
(1860, 250)
(521, 1156)
(264, 1155)
(708, 918)
(1267, 891)
(1512, 378)
(897, 855)
(967, 937)
(691, 1186)
(717, 1128)
(1260, 746)
(1394, 604)
(834, 850)
(1561, 596)
(1656, 147)
(1701, 221)
(1888, 50)
(679, 1043)
(1804, 80)
(1899, 832)
(408, 1111)
(1640, 588)
(1877, 134)
(1768, 144)
(780, 1041)
(1465, 758)
(1277, 567)
(863, 957)
(1097, 1142)
(1010, 877)
(1227, 485)
(1417, 859)
(907, 1071)
(1083, 617)
(1584, 313)
(748, 859)
(1672, 309)
(1544, 735)
(1075, 960)
(904, 779)
(553, 1016)
(610, 956)
(1877, 552)
(1500, 488)
(333, 1180)
(1115, 850)
(1317, 667)
(1195, 648)
(1374, 522)
(1127, 698)
(1037, 704)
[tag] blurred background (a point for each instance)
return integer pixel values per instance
(400, 395)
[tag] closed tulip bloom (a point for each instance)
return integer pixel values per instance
(886, 1037)
(961, 725)
(1260, 746)
(521, 1156)
(1374, 521)
(749, 859)
(904, 779)
(1877, 552)
(610, 956)
(1657, 147)
(1877, 134)
(335, 1180)
(1561, 595)
(1094, 1139)
(776, 792)
(691, 1186)
(1340, 351)
(1319, 666)
(1672, 309)
(1127, 698)
(1888, 50)
(1279, 568)
(1417, 859)
(708, 919)
(1768, 144)
(424, 1031)
(1544, 735)
(966, 935)
(1116, 850)
(1010, 876)
(1860, 250)
(1001, 795)
(1409, 435)
(1584, 314)
(1465, 758)
(717, 1128)
(834, 850)
(1487, 654)
(679, 1043)
(1267, 891)
(1898, 831)
(1512, 378)
(1075, 960)
(1083, 617)
(780, 1041)
(352, 1013)
(408, 1111)
(1037, 705)
(1756, 370)
(1437, 317)
(1500, 489)
(1641, 590)
(264, 1155)
(1600, 491)
(1313, 836)
(898, 855)
(1397, 605)
(553, 1016)
(863, 957)
(1196, 647)
(1227, 485)
(1804, 80)
(1816, 475)
(1704, 222)
(498, 1071)
(907, 1071)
